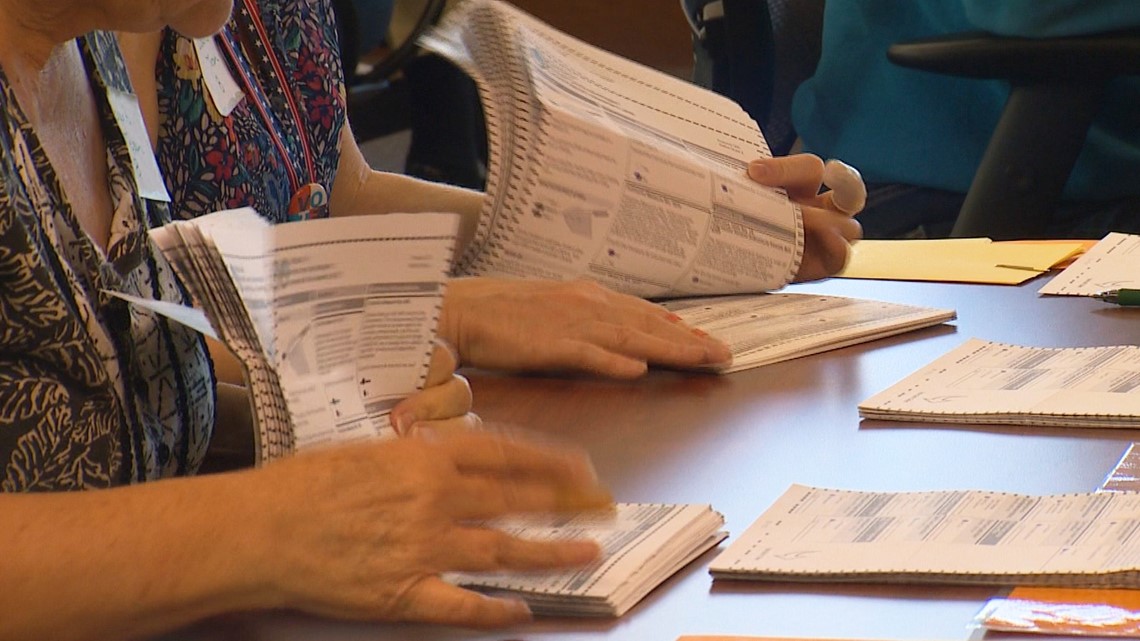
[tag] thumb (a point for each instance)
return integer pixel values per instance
(444, 362)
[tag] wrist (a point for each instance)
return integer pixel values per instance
(242, 543)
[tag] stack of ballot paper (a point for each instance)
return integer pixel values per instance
(1073, 611)
(602, 168)
(763, 329)
(331, 319)
(949, 537)
(996, 383)
(643, 544)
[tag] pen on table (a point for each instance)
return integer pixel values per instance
(1122, 297)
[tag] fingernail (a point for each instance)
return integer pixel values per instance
(700, 332)
(424, 431)
(719, 355)
(449, 347)
(590, 499)
(758, 170)
(586, 551)
(402, 423)
(518, 608)
(674, 318)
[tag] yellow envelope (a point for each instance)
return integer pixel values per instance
(964, 260)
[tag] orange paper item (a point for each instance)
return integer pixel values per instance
(1083, 612)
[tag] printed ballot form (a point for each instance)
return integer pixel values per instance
(332, 319)
(762, 329)
(957, 537)
(986, 382)
(1112, 263)
(600, 167)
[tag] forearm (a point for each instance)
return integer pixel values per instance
(386, 193)
(127, 562)
(359, 189)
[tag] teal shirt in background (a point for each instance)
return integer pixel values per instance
(900, 125)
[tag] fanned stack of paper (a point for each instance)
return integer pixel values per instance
(643, 544)
(995, 383)
(333, 320)
(603, 168)
(950, 537)
(762, 329)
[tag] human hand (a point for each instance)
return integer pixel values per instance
(527, 325)
(364, 531)
(443, 405)
(829, 226)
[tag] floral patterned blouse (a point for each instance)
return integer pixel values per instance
(281, 137)
(93, 391)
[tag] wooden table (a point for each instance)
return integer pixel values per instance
(738, 441)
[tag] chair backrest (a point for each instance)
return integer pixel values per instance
(348, 33)
(378, 103)
(1057, 89)
(757, 52)
(351, 22)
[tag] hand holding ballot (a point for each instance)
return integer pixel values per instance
(444, 404)
(604, 169)
(829, 223)
(579, 326)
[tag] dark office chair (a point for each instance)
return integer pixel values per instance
(1057, 87)
(758, 57)
(379, 101)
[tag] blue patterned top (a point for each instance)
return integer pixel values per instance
(284, 134)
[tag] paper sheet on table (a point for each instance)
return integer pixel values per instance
(1113, 263)
(966, 260)
(1114, 613)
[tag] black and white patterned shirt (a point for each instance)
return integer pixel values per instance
(93, 392)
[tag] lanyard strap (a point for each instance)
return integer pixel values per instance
(271, 53)
(259, 96)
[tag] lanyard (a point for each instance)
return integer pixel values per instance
(310, 200)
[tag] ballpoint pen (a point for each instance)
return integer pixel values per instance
(1123, 297)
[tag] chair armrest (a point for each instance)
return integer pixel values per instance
(1091, 58)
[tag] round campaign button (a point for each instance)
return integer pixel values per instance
(310, 201)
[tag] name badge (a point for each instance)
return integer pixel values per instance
(221, 87)
(148, 177)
